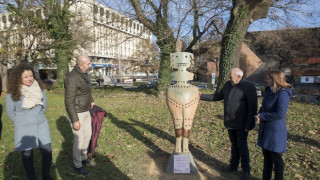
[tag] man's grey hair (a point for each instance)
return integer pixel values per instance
(238, 72)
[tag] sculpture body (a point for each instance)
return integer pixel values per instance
(182, 98)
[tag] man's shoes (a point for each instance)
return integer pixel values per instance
(86, 162)
(229, 169)
(81, 171)
(245, 176)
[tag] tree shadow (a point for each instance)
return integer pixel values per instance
(13, 167)
(298, 138)
(302, 139)
(144, 90)
(219, 117)
(104, 169)
(157, 153)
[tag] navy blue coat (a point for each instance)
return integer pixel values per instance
(273, 129)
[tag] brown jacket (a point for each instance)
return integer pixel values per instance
(78, 96)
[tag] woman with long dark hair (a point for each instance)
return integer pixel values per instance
(26, 103)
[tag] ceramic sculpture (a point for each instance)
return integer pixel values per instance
(182, 98)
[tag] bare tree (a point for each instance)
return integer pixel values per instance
(286, 44)
(147, 57)
(242, 14)
(21, 39)
(43, 31)
(170, 20)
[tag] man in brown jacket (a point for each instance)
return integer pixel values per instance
(79, 101)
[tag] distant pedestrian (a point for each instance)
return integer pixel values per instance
(272, 136)
(100, 81)
(78, 101)
(240, 107)
(26, 104)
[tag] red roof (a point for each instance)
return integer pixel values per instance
(312, 60)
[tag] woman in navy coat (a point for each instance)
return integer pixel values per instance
(272, 135)
(26, 103)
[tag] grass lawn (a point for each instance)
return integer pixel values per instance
(137, 138)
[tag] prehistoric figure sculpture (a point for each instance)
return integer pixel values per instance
(182, 98)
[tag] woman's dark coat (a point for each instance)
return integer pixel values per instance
(273, 130)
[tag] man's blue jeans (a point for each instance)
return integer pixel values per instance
(239, 150)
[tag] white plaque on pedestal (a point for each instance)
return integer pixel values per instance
(181, 164)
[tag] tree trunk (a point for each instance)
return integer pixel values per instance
(4, 76)
(62, 66)
(164, 71)
(166, 43)
(243, 13)
(63, 44)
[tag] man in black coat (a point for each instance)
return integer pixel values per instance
(240, 107)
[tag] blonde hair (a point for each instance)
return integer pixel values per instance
(279, 80)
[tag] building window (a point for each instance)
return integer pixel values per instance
(107, 14)
(95, 9)
(4, 19)
(112, 17)
(10, 18)
(38, 13)
(122, 21)
(101, 11)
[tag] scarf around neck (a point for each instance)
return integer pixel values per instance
(32, 95)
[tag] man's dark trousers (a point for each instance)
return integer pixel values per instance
(239, 150)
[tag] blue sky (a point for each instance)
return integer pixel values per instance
(309, 18)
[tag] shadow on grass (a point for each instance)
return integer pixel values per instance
(145, 90)
(157, 151)
(219, 117)
(104, 168)
(298, 138)
(122, 89)
(13, 167)
(302, 139)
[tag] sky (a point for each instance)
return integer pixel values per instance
(310, 18)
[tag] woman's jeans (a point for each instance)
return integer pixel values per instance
(270, 159)
(27, 160)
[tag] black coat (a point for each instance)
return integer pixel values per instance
(240, 104)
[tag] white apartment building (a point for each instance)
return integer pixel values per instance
(115, 38)
(111, 39)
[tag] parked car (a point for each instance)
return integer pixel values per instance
(49, 83)
(146, 86)
(258, 90)
(202, 86)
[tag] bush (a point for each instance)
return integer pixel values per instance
(136, 84)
